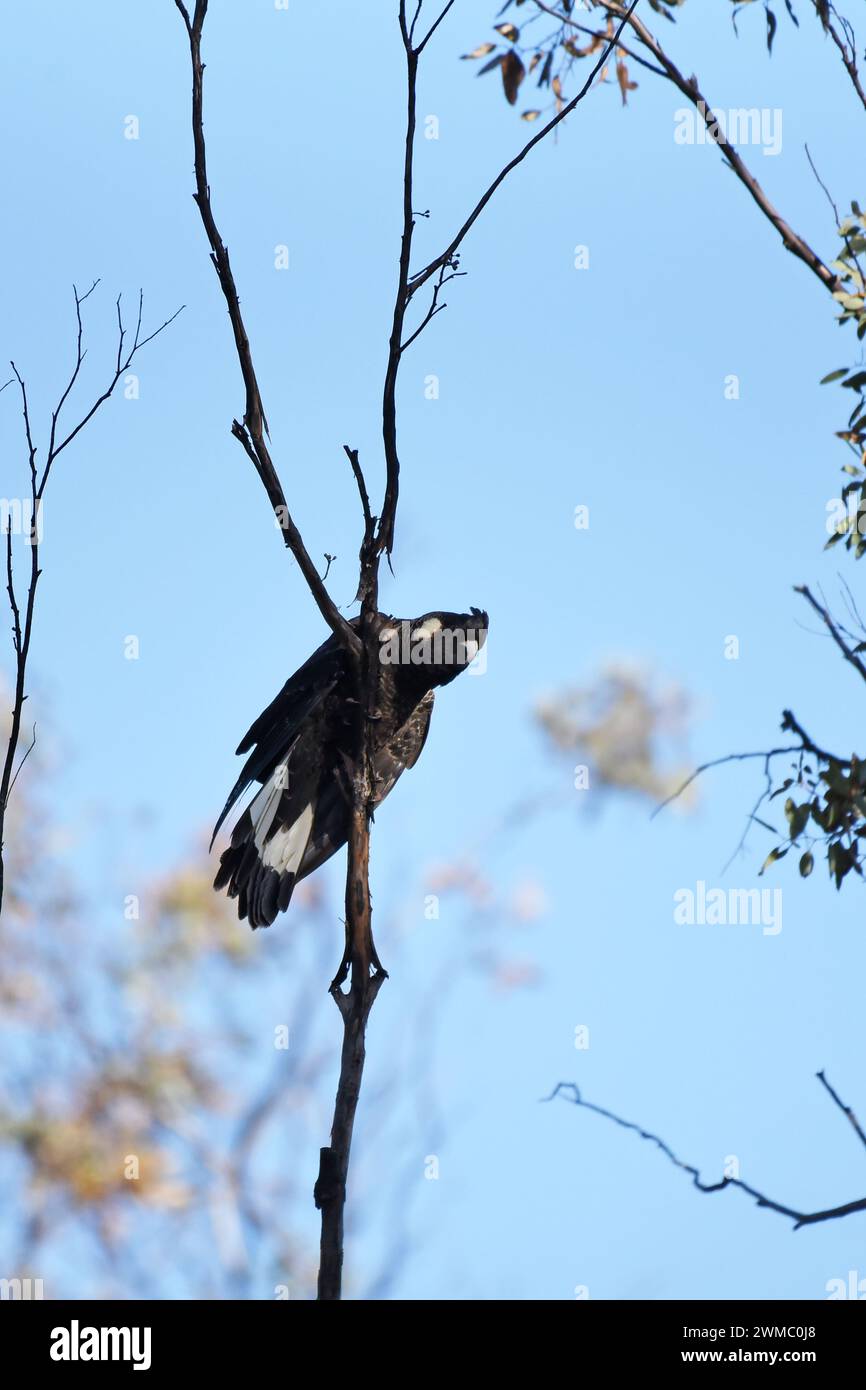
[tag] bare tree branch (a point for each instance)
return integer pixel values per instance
(360, 955)
(251, 433)
(833, 629)
(432, 30)
(600, 36)
(846, 1109)
(435, 307)
(22, 630)
(28, 750)
(690, 89)
(422, 276)
(718, 762)
(847, 46)
(385, 536)
(360, 960)
(569, 1091)
(407, 283)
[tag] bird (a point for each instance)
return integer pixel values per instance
(302, 750)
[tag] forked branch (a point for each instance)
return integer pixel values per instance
(360, 959)
(252, 430)
(31, 527)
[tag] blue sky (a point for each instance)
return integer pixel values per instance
(556, 387)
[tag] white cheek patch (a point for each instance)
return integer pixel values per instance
(428, 628)
(388, 634)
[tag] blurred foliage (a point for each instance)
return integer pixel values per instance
(124, 1106)
(622, 724)
(168, 1074)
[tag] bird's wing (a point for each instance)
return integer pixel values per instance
(271, 736)
(261, 865)
(300, 817)
(404, 749)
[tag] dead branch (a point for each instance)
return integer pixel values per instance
(834, 630)
(570, 1091)
(422, 276)
(22, 628)
(251, 432)
(690, 89)
(360, 955)
(845, 42)
(360, 960)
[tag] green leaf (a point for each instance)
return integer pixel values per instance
(771, 858)
(797, 817)
(839, 861)
(831, 376)
(807, 864)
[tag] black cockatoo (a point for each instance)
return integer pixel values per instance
(301, 749)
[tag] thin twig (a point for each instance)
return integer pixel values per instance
(432, 30)
(847, 50)
(753, 818)
(846, 1109)
(435, 307)
(690, 89)
(27, 753)
(570, 1091)
(22, 628)
(601, 36)
(831, 200)
(251, 433)
(718, 762)
(447, 255)
(789, 724)
(833, 629)
(385, 534)
(352, 456)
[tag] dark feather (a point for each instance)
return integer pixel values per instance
(301, 751)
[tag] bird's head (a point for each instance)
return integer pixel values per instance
(433, 649)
